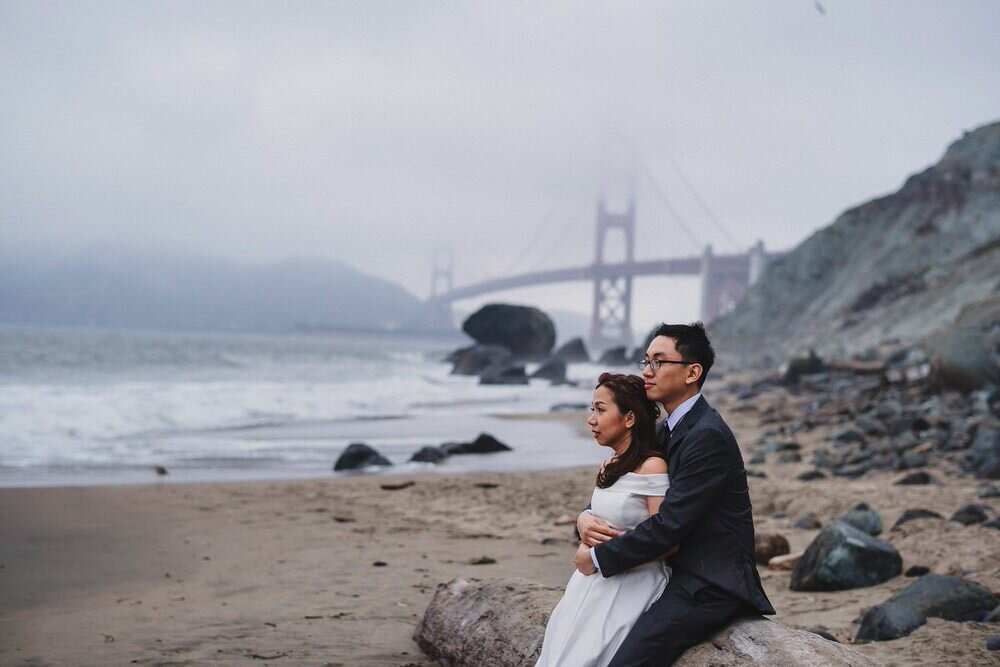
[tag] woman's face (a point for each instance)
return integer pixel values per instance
(609, 426)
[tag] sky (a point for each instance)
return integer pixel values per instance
(381, 133)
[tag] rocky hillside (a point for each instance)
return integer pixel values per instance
(901, 267)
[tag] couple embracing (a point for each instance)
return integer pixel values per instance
(667, 544)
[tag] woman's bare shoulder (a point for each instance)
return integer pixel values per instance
(654, 465)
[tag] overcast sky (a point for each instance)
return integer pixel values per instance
(375, 132)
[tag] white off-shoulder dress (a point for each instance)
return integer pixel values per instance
(595, 614)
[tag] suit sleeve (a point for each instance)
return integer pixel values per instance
(703, 469)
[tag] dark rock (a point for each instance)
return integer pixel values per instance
(359, 455)
(916, 571)
(824, 633)
(848, 436)
(889, 621)
(810, 475)
(992, 523)
(843, 557)
(757, 459)
(916, 513)
(789, 457)
(852, 471)
(869, 426)
(759, 474)
(768, 545)
(428, 455)
(961, 356)
(932, 595)
(526, 331)
(993, 643)
(921, 477)
(553, 369)
(984, 455)
(573, 351)
(911, 460)
(807, 522)
(503, 375)
(614, 357)
(864, 518)
(988, 490)
(970, 514)
(475, 359)
(784, 447)
(484, 444)
(796, 367)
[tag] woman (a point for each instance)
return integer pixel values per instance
(595, 614)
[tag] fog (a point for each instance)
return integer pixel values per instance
(378, 132)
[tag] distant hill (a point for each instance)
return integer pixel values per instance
(899, 267)
(201, 294)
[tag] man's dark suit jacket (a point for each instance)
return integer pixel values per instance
(706, 511)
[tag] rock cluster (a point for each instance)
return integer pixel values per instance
(358, 455)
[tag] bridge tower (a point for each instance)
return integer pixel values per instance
(442, 272)
(611, 323)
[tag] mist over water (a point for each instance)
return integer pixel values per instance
(80, 406)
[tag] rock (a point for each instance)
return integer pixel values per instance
(824, 633)
(848, 436)
(843, 557)
(889, 621)
(961, 355)
(526, 331)
(759, 474)
(969, 514)
(785, 562)
(553, 369)
(796, 367)
(615, 356)
(573, 351)
(984, 455)
(484, 444)
(756, 459)
(807, 522)
(916, 513)
(988, 490)
(497, 622)
(768, 545)
(789, 457)
(475, 359)
(359, 455)
(503, 374)
(932, 595)
(864, 518)
(501, 623)
(992, 523)
(993, 643)
(429, 455)
(920, 477)
(916, 571)
(569, 407)
(810, 475)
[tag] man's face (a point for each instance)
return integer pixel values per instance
(672, 383)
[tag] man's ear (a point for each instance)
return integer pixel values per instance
(693, 374)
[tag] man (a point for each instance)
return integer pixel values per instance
(706, 513)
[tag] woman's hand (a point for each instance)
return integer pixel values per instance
(594, 531)
(582, 560)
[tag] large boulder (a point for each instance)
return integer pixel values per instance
(359, 455)
(501, 623)
(843, 557)
(940, 596)
(475, 359)
(964, 355)
(615, 356)
(573, 351)
(504, 374)
(484, 444)
(863, 517)
(553, 370)
(527, 332)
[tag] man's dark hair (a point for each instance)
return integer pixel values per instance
(692, 343)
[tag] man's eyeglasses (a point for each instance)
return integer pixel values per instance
(654, 364)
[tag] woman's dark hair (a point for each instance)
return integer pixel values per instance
(629, 395)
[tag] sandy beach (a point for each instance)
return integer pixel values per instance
(337, 572)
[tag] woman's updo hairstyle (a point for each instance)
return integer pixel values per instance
(629, 394)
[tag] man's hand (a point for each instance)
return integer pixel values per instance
(583, 561)
(594, 531)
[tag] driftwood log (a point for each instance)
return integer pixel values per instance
(501, 623)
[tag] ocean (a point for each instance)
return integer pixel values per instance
(89, 406)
